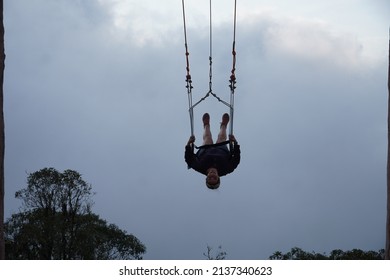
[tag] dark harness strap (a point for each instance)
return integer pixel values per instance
(231, 146)
(212, 145)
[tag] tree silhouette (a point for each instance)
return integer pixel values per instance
(56, 222)
(220, 255)
(356, 254)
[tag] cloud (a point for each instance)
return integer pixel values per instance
(312, 40)
(143, 23)
(307, 41)
(101, 89)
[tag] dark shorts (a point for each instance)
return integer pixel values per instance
(213, 149)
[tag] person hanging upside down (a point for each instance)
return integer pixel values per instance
(213, 160)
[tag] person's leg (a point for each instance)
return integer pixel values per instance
(222, 136)
(207, 137)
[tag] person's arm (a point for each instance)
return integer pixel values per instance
(236, 152)
(189, 155)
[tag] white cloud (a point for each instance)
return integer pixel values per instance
(295, 34)
(144, 22)
(314, 40)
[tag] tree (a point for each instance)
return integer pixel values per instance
(355, 254)
(2, 133)
(57, 222)
(297, 254)
(221, 255)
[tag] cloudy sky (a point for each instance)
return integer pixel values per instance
(99, 87)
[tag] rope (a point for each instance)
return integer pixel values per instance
(188, 75)
(232, 79)
(211, 49)
(233, 74)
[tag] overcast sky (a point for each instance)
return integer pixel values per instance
(99, 87)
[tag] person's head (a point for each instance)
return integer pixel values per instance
(212, 179)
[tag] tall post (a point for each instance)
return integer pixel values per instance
(2, 137)
(387, 248)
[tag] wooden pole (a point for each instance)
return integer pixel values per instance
(2, 137)
(387, 248)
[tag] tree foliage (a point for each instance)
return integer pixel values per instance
(355, 254)
(56, 222)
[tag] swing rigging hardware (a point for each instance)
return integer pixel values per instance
(232, 79)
